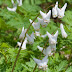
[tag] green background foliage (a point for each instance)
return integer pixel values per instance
(11, 24)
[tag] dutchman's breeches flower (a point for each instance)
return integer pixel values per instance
(52, 40)
(36, 26)
(64, 34)
(19, 2)
(61, 11)
(30, 38)
(22, 35)
(54, 10)
(24, 44)
(46, 51)
(42, 64)
(12, 9)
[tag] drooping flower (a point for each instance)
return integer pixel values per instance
(35, 25)
(42, 64)
(19, 2)
(41, 21)
(22, 35)
(24, 44)
(12, 9)
(45, 18)
(47, 51)
(52, 40)
(30, 38)
(61, 11)
(64, 34)
(54, 10)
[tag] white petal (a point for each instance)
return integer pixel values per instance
(40, 48)
(64, 7)
(44, 35)
(19, 44)
(12, 9)
(37, 60)
(48, 15)
(56, 35)
(64, 34)
(49, 35)
(45, 60)
(12, 1)
(43, 14)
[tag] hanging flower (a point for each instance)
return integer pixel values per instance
(54, 10)
(24, 44)
(46, 51)
(52, 40)
(12, 9)
(64, 34)
(41, 21)
(42, 64)
(22, 35)
(30, 38)
(46, 18)
(61, 11)
(19, 2)
(35, 25)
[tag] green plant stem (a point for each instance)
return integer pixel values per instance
(22, 43)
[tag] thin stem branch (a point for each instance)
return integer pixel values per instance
(22, 43)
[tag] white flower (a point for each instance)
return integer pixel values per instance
(64, 34)
(46, 51)
(30, 38)
(46, 16)
(42, 64)
(37, 33)
(61, 11)
(19, 2)
(12, 9)
(24, 44)
(35, 25)
(22, 35)
(52, 40)
(54, 10)
(12, 1)
(43, 36)
(41, 21)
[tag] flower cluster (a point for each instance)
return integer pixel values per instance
(19, 2)
(56, 12)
